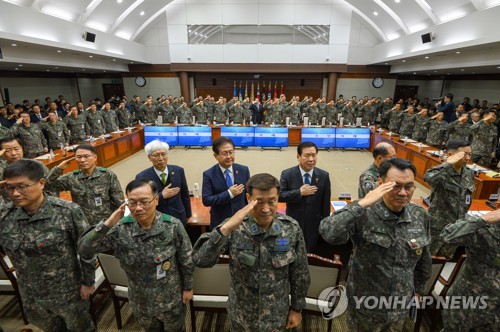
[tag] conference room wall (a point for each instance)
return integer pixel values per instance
(361, 87)
(91, 88)
(155, 86)
(30, 88)
(426, 88)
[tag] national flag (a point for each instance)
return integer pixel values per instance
(252, 93)
(264, 96)
(241, 92)
(235, 94)
(246, 89)
(269, 89)
(275, 92)
(282, 91)
(258, 90)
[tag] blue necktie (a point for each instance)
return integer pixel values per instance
(307, 179)
(228, 178)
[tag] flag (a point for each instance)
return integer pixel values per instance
(264, 96)
(235, 94)
(241, 92)
(258, 90)
(282, 91)
(275, 92)
(246, 89)
(269, 88)
(252, 93)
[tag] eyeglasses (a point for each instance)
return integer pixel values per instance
(227, 154)
(85, 156)
(158, 155)
(408, 188)
(144, 204)
(20, 188)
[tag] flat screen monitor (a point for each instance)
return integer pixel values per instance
(322, 137)
(195, 136)
(352, 138)
(271, 137)
(165, 134)
(241, 136)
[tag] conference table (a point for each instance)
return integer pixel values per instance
(423, 160)
(201, 214)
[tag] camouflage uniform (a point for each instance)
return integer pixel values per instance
(407, 124)
(265, 268)
(293, 113)
(395, 119)
(184, 115)
(78, 128)
(484, 142)
(124, 118)
(201, 114)
(348, 115)
(331, 114)
(385, 113)
(110, 120)
(99, 194)
(32, 137)
(4, 132)
(421, 128)
(237, 114)
(167, 113)
(451, 197)
(158, 265)
(96, 124)
(43, 249)
(479, 276)
(459, 131)
(391, 258)
(220, 113)
(57, 134)
(368, 181)
(313, 114)
(437, 133)
(147, 114)
(135, 107)
(269, 109)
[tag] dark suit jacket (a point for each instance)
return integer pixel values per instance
(35, 119)
(178, 206)
(214, 193)
(307, 210)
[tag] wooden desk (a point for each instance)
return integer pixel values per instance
(485, 186)
(109, 152)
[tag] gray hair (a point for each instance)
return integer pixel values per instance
(155, 145)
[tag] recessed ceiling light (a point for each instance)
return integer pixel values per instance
(103, 71)
(56, 67)
(458, 52)
(375, 13)
(404, 60)
(20, 65)
(47, 69)
(119, 1)
(142, 13)
(447, 73)
(59, 51)
(462, 69)
(386, 63)
(498, 67)
(132, 62)
(398, 1)
(414, 73)
(16, 68)
(114, 59)
(427, 57)
(14, 45)
(435, 71)
(91, 56)
(83, 69)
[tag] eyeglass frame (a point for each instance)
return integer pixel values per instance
(143, 204)
(22, 187)
(227, 154)
(158, 155)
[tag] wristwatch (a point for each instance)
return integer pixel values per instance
(88, 283)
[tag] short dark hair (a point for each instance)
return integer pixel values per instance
(455, 144)
(306, 145)
(134, 184)
(220, 142)
(380, 150)
(401, 164)
(262, 181)
(25, 167)
(9, 139)
(85, 147)
(449, 95)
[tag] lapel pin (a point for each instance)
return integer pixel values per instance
(173, 173)
(236, 172)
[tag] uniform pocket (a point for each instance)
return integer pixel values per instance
(378, 237)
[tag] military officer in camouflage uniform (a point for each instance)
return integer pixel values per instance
(135, 106)
(220, 112)
(313, 113)
(395, 118)
(436, 135)
(110, 118)
(368, 179)
(155, 252)
(484, 139)
(385, 111)
(421, 126)
(237, 113)
(331, 113)
(293, 112)
(268, 261)
(39, 233)
(96, 189)
(408, 122)
(348, 114)
(77, 126)
(452, 185)
(460, 129)
(147, 112)
(391, 248)
(123, 115)
(56, 131)
(184, 114)
(34, 143)
(167, 112)
(200, 112)
(4, 132)
(479, 275)
(95, 121)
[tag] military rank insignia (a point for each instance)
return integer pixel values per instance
(281, 244)
(165, 266)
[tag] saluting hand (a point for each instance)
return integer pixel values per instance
(492, 217)
(455, 158)
(376, 194)
(63, 164)
(236, 220)
(168, 191)
(115, 217)
(2, 152)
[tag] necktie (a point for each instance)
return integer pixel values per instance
(40, 116)
(228, 178)
(307, 179)
(163, 178)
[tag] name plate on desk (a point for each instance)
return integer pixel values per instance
(345, 196)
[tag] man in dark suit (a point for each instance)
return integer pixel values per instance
(174, 193)
(223, 186)
(37, 114)
(306, 191)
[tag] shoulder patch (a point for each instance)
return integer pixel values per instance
(283, 217)
(102, 169)
(127, 220)
(76, 171)
(166, 217)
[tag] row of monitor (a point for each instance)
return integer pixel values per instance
(347, 138)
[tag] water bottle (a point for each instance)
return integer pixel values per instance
(196, 190)
(63, 150)
(51, 153)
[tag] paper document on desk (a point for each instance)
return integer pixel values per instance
(478, 168)
(418, 144)
(45, 156)
(338, 205)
